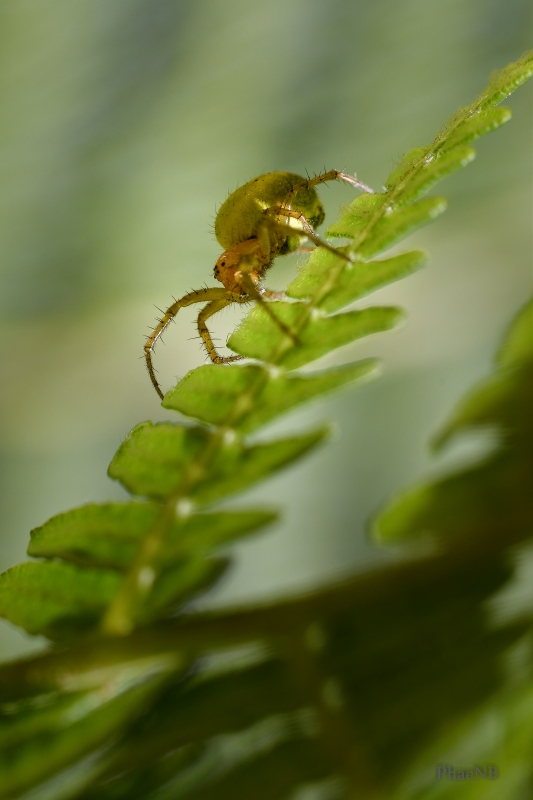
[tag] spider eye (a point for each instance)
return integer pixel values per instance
(223, 263)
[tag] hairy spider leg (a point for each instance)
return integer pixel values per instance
(307, 229)
(259, 293)
(332, 175)
(214, 295)
(213, 308)
(286, 211)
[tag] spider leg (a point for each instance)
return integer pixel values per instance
(272, 295)
(211, 308)
(333, 175)
(307, 229)
(199, 296)
(259, 293)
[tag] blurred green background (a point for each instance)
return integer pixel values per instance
(125, 125)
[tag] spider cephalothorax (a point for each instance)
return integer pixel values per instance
(228, 268)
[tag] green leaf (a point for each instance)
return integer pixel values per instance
(104, 535)
(397, 224)
(230, 395)
(218, 395)
(407, 164)
(490, 502)
(356, 216)
(488, 506)
(157, 461)
(315, 274)
(201, 533)
(278, 772)
(355, 281)
(53, 731)
(517, 346)
(258, 336)
(109, 535)
(474, 126)
(52, 597)
(410, 650)
(506, 80)
(45, 714)
(195, 711)
(435, 170)
(239, 467)
(284, 392)
(375, 230)
(232, 701)
(179, 584)
(506, 398)
(503, 402)
(324, 334)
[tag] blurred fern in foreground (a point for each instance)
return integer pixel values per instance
(344, 688)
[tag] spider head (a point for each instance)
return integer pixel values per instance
(245, 256)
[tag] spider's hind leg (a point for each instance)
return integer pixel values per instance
(334, 175)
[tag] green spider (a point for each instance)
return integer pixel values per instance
(266, 217)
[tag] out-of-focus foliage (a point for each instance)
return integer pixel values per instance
(350, 683)
(344, 688)
(485, 513)
(484, 501)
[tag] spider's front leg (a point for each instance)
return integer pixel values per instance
(240, 269)
(262, 296)
(214, 296)
(213, 308)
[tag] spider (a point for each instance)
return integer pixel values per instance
(268, 216)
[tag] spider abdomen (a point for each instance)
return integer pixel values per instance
(241, 214)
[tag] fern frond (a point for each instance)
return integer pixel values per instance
(347, 684)
(490, 502)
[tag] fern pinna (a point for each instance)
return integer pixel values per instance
(342, 689)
